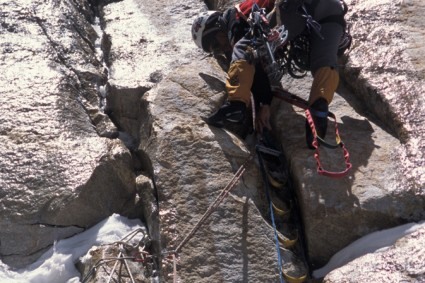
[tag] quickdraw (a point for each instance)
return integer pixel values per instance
(280, 93)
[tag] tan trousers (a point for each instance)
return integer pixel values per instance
(325, 83)
(239, 81)
(241, 76)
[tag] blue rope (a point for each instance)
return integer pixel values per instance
(266, 183)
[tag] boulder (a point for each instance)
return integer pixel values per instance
(60, 171)
(385, 69)
(102, 106)
(385, 187)
(190, 162)
(375, 195)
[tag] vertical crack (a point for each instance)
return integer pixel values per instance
(125, 109)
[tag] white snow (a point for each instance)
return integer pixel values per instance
(374, 242)
(57, 264)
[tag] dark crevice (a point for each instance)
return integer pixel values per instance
(56, 226)
(127, 134)
(85, 79)
(360, 105)
(124, 108)
(288, 194)
(289, 225)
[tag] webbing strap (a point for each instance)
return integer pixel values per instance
(285, 95)
(339, 143)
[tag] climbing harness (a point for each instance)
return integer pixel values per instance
(265, 42)
(294, 57)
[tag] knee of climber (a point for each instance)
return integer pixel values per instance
(239, 81)
(325, 83)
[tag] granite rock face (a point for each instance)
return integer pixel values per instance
(60, 170)
(101, 105)
(400, 262)
(379, 82)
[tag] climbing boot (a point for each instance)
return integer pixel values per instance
(319, 112)
(231, 111)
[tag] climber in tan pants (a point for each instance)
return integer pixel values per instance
(323, 65)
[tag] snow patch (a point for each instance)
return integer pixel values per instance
(58, 263)
(375, 242)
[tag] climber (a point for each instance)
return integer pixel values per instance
(322, 21)
(217, 32)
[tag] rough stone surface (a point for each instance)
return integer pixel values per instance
(386, 70)
(187, 185)
(57, 176)
(64, 103)
(335, 212)
(402, 262)
(177, 142)
(380, 191)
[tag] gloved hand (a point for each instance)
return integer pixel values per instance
(263, 118)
